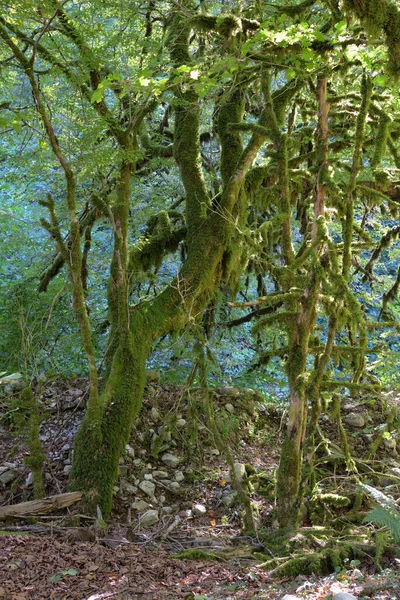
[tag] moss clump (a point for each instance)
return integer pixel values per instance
(317, 563)
(36, 457)
(197, 554)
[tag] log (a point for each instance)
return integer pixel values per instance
(36, 507)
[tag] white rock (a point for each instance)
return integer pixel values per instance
(150, 517)
(162, 499)
(170, 460)
(128, 487)
(29, 480)
(67, 469)
(355, 420)
(229, 408)
(240, 471)
(214, 451)
(290, 597)
(168, 510)
(140, 505)
(344, 596)
(181, 423)
(147, 487)
(199, 510)
(179, 476)
(130, 451)
(148, 476)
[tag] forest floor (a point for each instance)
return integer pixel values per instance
(189, 504)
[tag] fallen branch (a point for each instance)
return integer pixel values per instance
(36, 507)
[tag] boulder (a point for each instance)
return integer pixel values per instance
(147, 487)
(354, 420)
(170, 460)
(150, 517)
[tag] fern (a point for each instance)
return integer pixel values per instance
(387, 513)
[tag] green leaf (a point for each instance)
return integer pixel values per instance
(71, 572)
(55, 578)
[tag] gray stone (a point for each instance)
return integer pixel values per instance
(181, 423)
(355, 420)
(170, 460)
(290, 597)
(29, 480)
(8, 476)
(174, 486)
(123, 470)
(179, 476)
(199, 510)
(160, 474)
(138, 462)
(168, 510)
(148, 476)
(148, 488)
(150, 517)
(162, 499)
(389, 444)
(155, 415)
(140, 505)
(229, 499)
(130, 451)
(67, 469)
(240, 471)
(229, 408)
(344, 596)
(128, 487)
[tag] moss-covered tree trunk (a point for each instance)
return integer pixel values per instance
(209, 238)
(291, 460)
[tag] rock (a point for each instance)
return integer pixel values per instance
(147, 487)
(155, 415)
(168, 510)
(174, 486)
(179, 476)
(355, 420)
(128, 487)
(138, 462)
(67, 469)
(170, 460)
(130, 451)
(344, 596)
(290, 597)
(140, 505)
(229, 408)
(150, 517)
(148, 476)
(229, 390)
(214, 451)
(199, 510)
(29, 480)
(240, 471)
(123, 470)
(8, 475)
(229, 499)
(162, 499)
(181, 423)
(160, 474)
(389, 443)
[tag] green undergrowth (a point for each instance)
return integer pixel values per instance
(197, 554)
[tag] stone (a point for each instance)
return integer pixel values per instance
(170, 460)
(8, 476)
(160, 474)
(179, 476)
(344, 596)
(123, 470)
(181, 423)
(168, 510)
(389, 443)
(138, 462)
(29, 480)
(148, 476)
(162, 499)
(214, 451)
(354, 420)
(290, 597)
(229, 499)
(67, 469)
(174, 486)
(150, 517)
(155, 415)
(128, 487)
(229, 408)
(130, 451)
(199, 510)
(140, 505)
(147, 487)
(240, 471)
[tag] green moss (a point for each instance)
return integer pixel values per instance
(36, 458)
